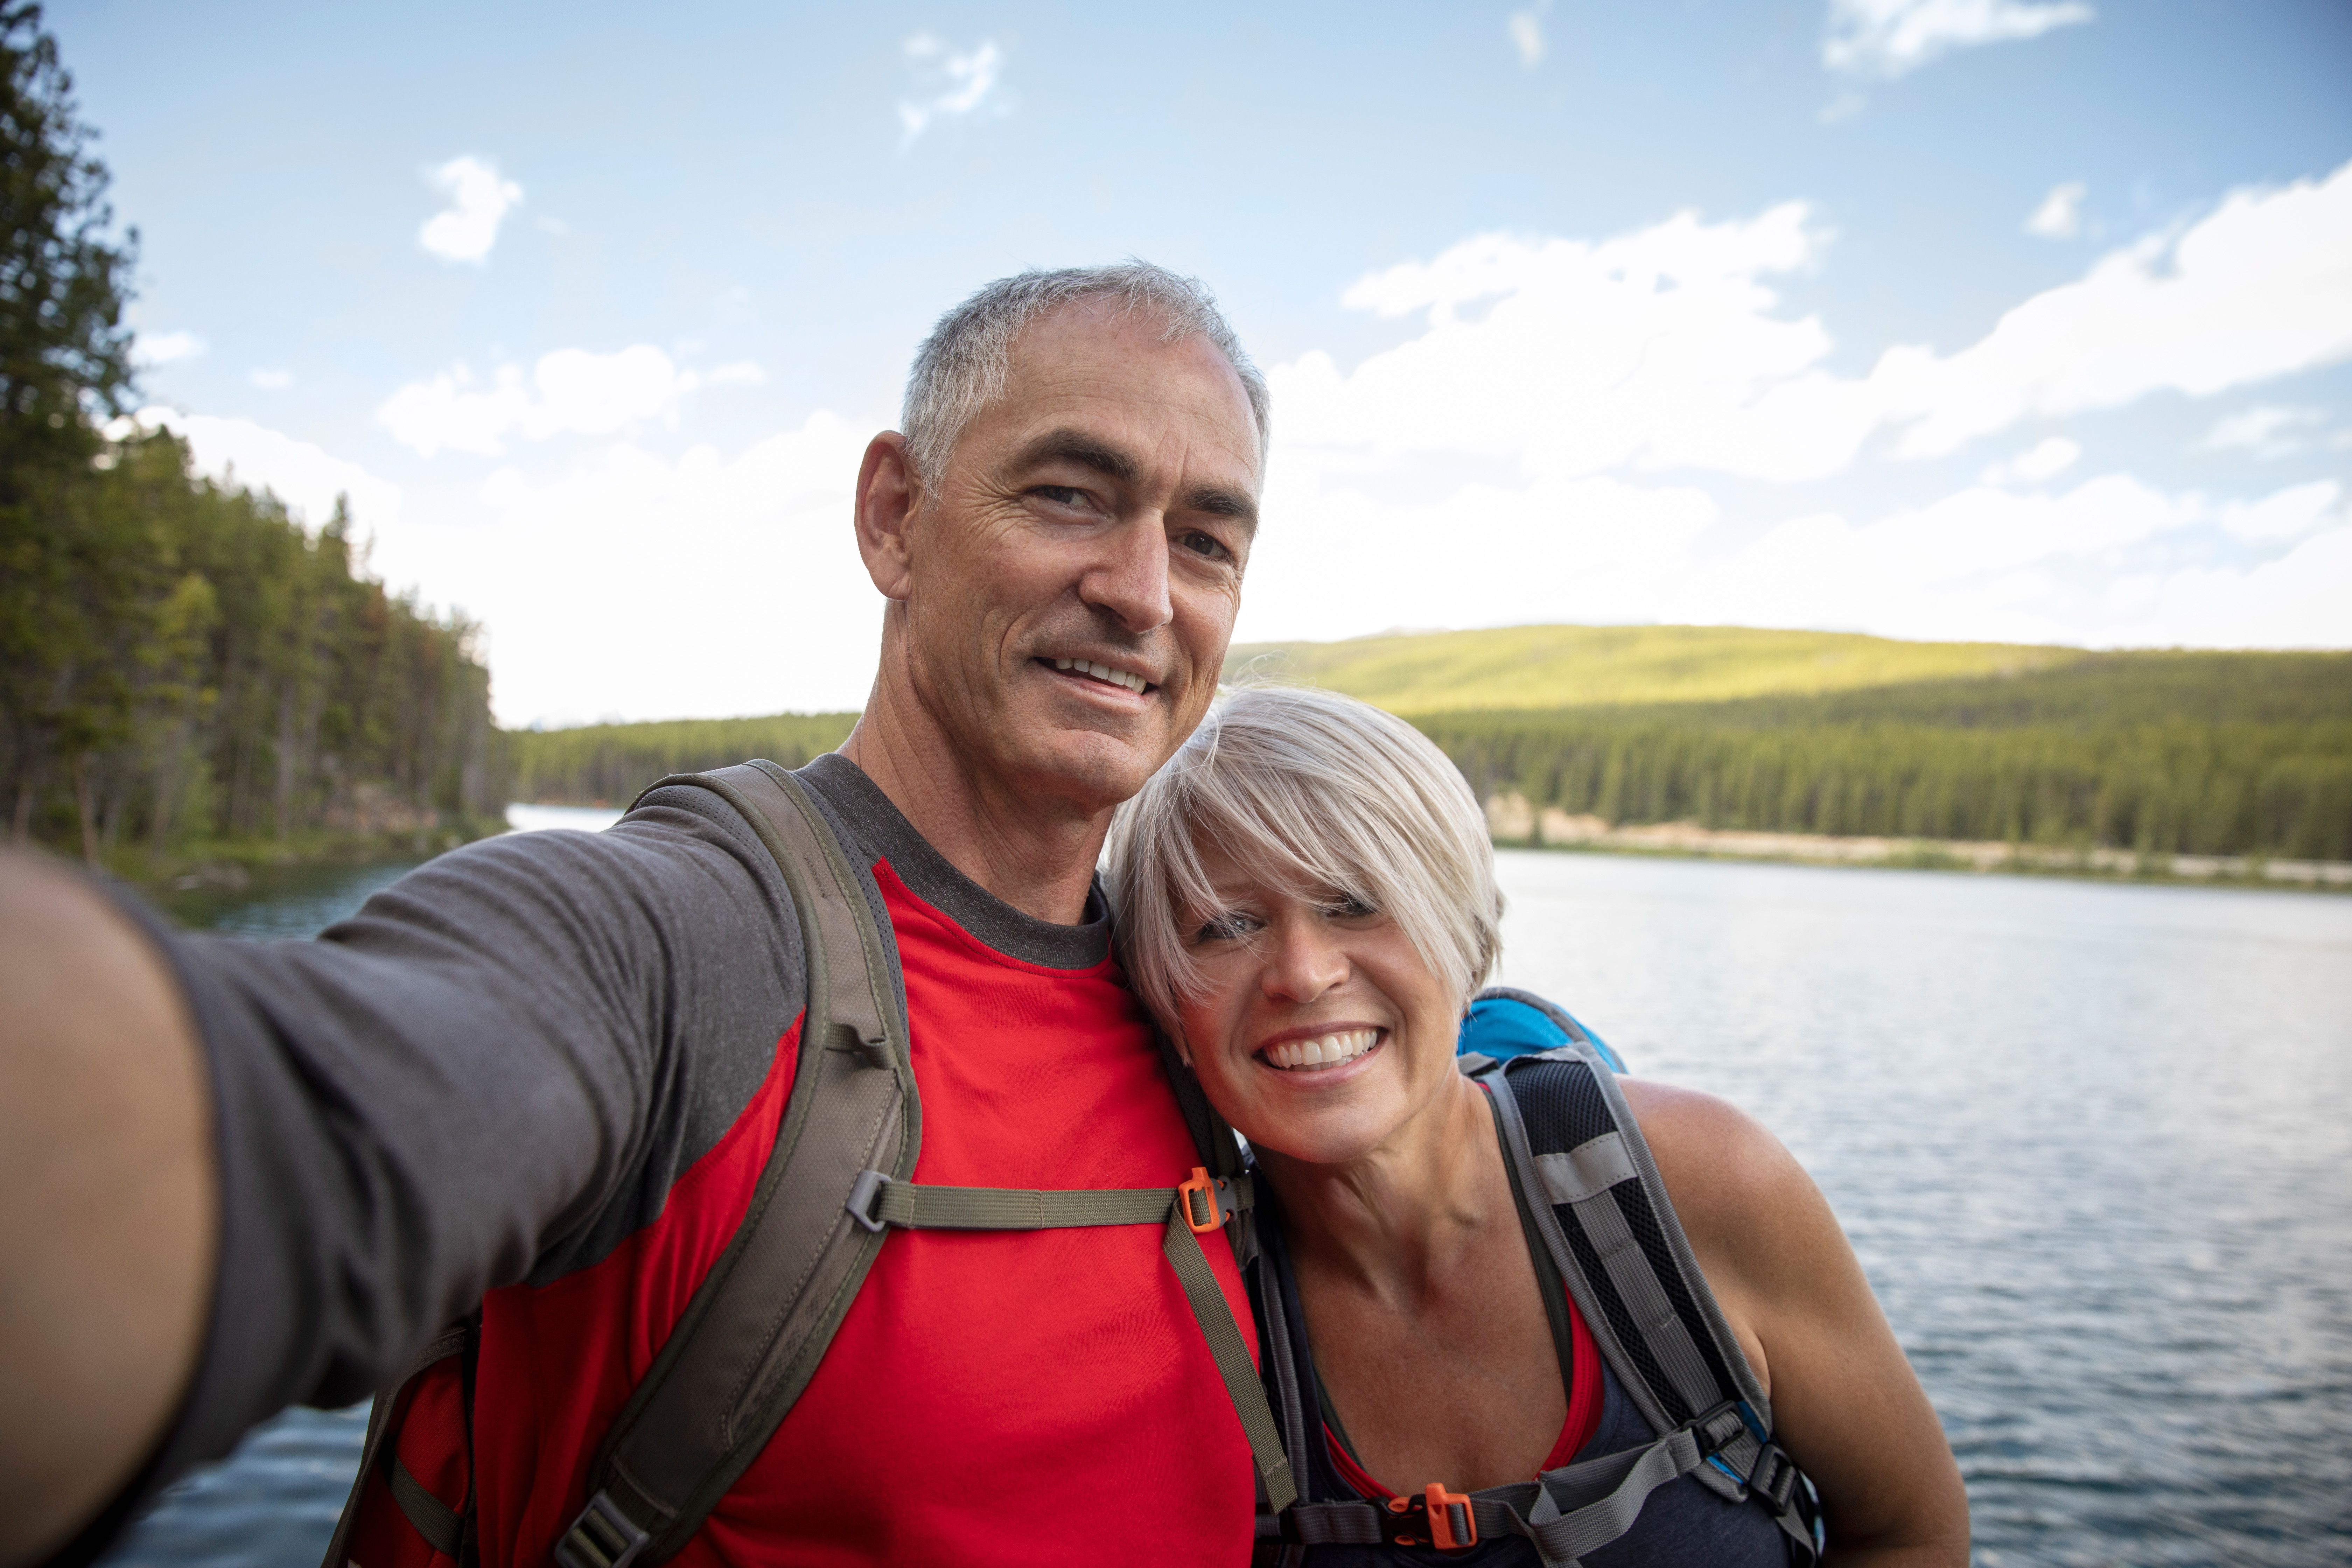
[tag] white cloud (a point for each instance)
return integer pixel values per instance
(1662, 347)
(742, 372)
(569, 392)
(1526, 33)
(755, 600)
(2260, 288)
(1667, 347)
(2264, 430)
(2286, 514)
(955, 83)
(165, 348)
(270, 380)
(1544, 443)
(2045, 459)
(2060, 216)
(305, 476)
(1888, 38)
(2296, 600)
(479, 199)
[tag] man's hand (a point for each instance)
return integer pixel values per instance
(109, 1203)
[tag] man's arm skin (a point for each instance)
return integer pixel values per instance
(109, 1203)
(1845, 1403)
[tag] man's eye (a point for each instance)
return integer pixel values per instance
(1205, 544)
(1060, 495)
(1231, 926)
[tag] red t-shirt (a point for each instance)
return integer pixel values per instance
(1012, 1398)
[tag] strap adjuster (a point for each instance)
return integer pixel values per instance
(1773, 1478)
(602, 1537)
(1436, 1518)
(862, 1193)
(1198, 1199)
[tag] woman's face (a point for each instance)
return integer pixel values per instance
(1319, 1032)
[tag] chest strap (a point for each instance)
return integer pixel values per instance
(1190, 1210)
(1564, 1514)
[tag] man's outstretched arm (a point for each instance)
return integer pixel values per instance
(108, 1202)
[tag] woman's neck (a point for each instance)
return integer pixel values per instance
(1398, 1219)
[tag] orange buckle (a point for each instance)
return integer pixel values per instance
(1451, 1524)
(1453, 1527)
(1198, 1199)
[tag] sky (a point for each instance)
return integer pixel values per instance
(2009, 319)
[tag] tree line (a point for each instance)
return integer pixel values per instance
(2225, 754)
(608, 764)
(182, 660)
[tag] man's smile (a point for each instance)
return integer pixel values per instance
(1093, 672)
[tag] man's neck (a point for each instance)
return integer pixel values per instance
(1035, 853)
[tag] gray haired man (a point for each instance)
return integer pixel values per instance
(542, 1074)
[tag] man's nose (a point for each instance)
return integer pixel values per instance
(1302, 962)
(1131, 578)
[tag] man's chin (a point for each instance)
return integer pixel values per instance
(1092, 770)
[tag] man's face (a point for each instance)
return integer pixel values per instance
(1072, 577)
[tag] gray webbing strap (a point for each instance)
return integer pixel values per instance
(435, 1520)
(1014, 1209)
(1586, 1170)
(1582, 1182)
(1011, 1208)
(752, 1334)
(1215, 1316)
(449, 1341)
(1601, 1499)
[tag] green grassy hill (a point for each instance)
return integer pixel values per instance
(1820, 732)
(2186, 753)
(1589, 666)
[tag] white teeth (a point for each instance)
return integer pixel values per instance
(1103, 672)
(1332, 1050)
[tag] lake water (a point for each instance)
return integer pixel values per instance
(2093, 1142)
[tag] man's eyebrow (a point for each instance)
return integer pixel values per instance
(1077, 447)
(1221, 501)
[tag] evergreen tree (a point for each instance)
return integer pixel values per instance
(68, 579)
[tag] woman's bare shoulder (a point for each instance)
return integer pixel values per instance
(1747, 1204)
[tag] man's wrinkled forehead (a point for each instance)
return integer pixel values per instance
(1094, 355)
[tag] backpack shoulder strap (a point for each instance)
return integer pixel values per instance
(757, 1326)
(1614, 1234)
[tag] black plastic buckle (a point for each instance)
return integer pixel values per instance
(1701, 1427)
(602, 1537)
(1773, 1478)
(862, 1193)
(1436, 1518)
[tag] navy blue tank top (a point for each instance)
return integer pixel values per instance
(1683, 1525)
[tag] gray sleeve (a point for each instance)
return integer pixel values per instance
(493, 1072)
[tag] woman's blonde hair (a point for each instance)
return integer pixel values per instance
(1322, 794)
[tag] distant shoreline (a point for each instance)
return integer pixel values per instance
(1514, 824)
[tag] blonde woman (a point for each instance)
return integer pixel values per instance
(1533, 1314)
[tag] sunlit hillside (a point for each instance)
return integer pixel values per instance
(1587, 666)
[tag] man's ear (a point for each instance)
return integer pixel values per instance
(888, 493)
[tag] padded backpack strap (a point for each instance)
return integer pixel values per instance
(1613, 1232)
(760, 1322)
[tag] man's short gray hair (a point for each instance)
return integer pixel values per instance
(1325, 796)
(962, 366)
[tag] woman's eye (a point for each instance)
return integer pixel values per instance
(1352, 908)
(1231, 926)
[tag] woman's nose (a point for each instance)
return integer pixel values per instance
(1303, 961)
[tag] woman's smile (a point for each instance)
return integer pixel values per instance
(1322, 1051)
